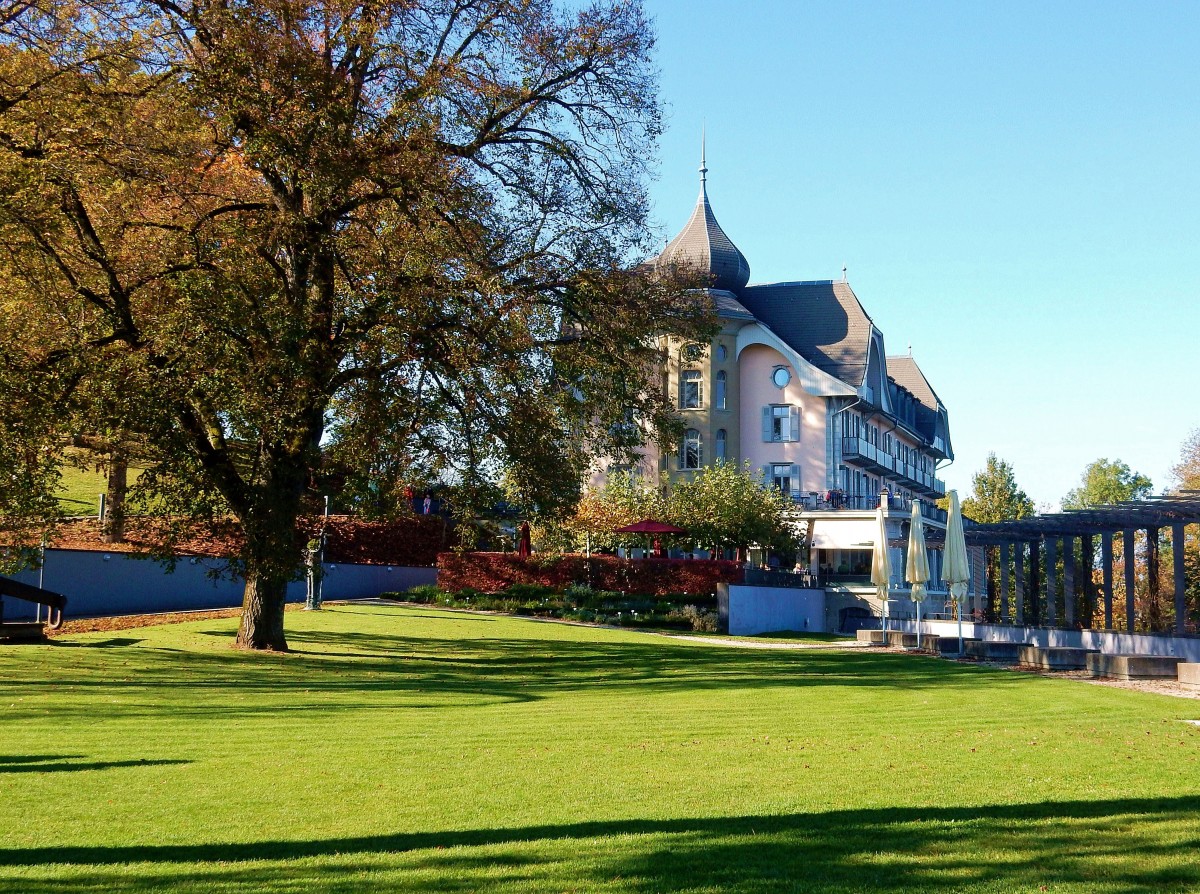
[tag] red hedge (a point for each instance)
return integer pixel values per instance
(495, 572)
(411, 540)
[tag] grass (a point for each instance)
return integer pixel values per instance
(82, 482)
(409, 749)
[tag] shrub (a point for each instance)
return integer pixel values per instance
(426, 594)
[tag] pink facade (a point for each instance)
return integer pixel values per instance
(757, 363)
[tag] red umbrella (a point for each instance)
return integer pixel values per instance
(649, 526)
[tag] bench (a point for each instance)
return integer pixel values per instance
(27, 631)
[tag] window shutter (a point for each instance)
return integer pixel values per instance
(768, 476)
(794, 475)
(795, 414)
(766, 419)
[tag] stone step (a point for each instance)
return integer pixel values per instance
(1001, 652)
(22, 631)
(1060, 658)
(1132, 667)
(1189, 674)
(948, 645)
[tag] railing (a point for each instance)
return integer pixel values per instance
(863, 452)
(864, 503)
(774, 577)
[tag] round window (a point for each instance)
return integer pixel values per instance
(781, 376)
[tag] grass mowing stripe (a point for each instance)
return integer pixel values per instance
(410, 749)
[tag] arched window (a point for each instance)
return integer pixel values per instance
(691, 389)
(721, 383)
(719, 450)
(691, 451)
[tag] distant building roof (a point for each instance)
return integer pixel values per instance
(903, 368)
(823, 321)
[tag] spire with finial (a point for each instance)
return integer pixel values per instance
(843, 273)
(703, 245)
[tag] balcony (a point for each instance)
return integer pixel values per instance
(873, 459)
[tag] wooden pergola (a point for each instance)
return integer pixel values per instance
(1023, 548)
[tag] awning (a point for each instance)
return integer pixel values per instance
(850, 533)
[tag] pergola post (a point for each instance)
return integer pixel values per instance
(1052, 582)
(1152, 587)
(1005, 550)
(1130, 579)
(1088, 555)
(1035, 582)
(1019, 583)
(1069, 607)
(1177, 533)
(1106, 560)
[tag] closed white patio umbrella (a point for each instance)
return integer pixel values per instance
(917, 569)
(956, 570)
(881, 567)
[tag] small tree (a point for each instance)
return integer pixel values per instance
(730, 506)
(624, 498)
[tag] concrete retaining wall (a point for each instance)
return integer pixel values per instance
(754, 610)
(98, 584)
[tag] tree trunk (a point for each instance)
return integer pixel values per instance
(113, 527)
(272, 557)
(262, 613)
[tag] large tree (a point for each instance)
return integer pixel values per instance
(995, 496)
(1107, 482)
(250, 234)
(1186, 473)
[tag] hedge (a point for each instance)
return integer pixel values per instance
(496, 572)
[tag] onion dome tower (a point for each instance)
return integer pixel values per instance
(702, 245)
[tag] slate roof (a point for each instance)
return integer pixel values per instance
(907, 374)
(703, 245)
(728, 306)
(823, 321)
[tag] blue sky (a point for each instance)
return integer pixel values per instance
(1015, 189)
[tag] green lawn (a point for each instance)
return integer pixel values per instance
(407, 749)
(79, 490)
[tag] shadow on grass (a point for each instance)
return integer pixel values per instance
(331, 670)
(66, 763)
(1129, 845)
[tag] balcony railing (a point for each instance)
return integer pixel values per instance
(863, 503)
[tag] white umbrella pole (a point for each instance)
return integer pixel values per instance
(918, 624)
(960, 642)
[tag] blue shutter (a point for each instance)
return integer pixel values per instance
(766, 422)
(794, 475)
(795, 423)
